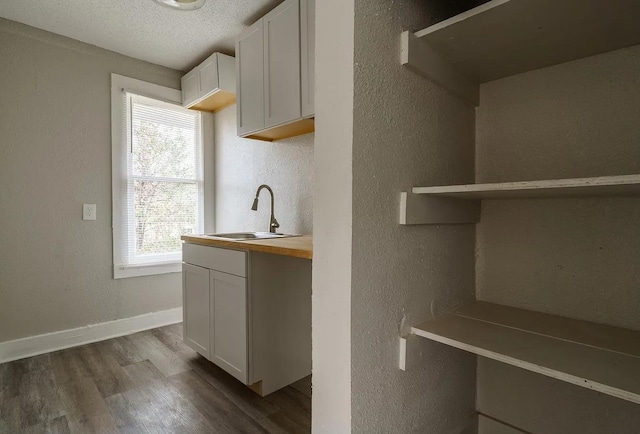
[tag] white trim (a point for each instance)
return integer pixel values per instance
(168, 96)
(121, 271)
(46, 343)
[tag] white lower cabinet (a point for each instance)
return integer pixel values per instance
(228, 323)
(215, 306)
(195, 301)
(249, 313)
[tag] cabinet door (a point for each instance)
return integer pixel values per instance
(229, 340)
(208, 76)
(282, 64)
(250, 80)
(308, 56)
(190, 88)
(195, 308)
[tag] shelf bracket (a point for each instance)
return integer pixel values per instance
(418, 56)
(409, 352)
(420, 209)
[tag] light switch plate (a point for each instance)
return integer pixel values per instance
(88, 211)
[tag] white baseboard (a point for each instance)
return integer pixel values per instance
(46, 343)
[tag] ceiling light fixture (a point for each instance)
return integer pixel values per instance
(185, 5)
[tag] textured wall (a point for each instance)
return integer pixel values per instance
(55, 154)
(571, 257)
(243, 164)
(407, 132)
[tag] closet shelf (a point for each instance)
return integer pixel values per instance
(599, 357)
(623, 185)
(507, 37)
(460, 204)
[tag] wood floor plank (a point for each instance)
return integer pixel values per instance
(10, 417)
(295, 405)
(176, 328)
(95, 361)
(243, 397)
(69, 365)
(123, 350)
(85, 408)
(221, 413)
(279, 423)
(157, 407)
(144, 373)
(105, 371)
(167, 361)
(11, 375)
(59, 425)
(39, 399)
(171, 337)
(303, 386)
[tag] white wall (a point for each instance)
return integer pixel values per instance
(332, 218)
(570, 257)
(55, 154)
(241, 165)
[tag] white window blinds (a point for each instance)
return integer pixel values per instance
(161, 189)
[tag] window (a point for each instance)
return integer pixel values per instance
(158, 186)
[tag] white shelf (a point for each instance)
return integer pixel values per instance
(599, 357)
(507, 37)
(460, 204)
(624, 185)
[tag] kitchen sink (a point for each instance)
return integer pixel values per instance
(244, 236)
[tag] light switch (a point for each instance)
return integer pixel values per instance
(88, 211)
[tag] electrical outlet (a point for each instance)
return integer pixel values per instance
(88, 211)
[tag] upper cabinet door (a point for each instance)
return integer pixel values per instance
(208, 76)
(190, 88)
(282, 64)
(250, 79)
(307, 56)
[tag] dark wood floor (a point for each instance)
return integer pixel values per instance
(149, 382)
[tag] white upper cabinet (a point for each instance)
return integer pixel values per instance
(211, 85)
(275, 70)
(208, 74)
(307, 56)
(250, 79)
(282, 64)
(190, 88)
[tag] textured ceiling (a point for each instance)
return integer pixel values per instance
(142, 28)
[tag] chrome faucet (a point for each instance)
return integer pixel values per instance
(273, 223)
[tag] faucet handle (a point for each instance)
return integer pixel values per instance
(274, 225)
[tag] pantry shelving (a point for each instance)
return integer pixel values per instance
(595, 356)
(506, 37)
(500, 39)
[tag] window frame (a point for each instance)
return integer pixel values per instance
(120, 129)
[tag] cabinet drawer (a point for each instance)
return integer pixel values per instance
(224, 260)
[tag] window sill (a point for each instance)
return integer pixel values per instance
(121, 271)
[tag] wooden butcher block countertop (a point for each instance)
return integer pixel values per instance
(297, 247)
